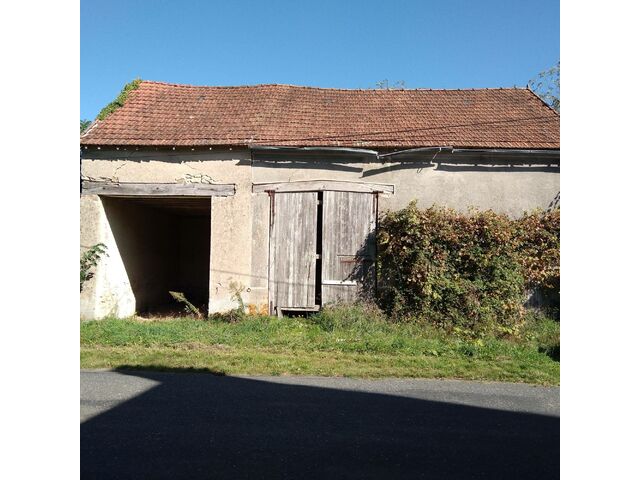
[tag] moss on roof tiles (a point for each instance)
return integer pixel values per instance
(120, 99)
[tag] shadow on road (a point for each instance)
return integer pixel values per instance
(197, 426)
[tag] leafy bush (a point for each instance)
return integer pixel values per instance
(89, 260)
(467, 273)
(538, 234)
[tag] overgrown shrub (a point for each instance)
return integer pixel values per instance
(466, 272)
(539, 248)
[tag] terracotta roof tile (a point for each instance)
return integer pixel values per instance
(183, 115)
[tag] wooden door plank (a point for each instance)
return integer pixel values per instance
(293, 250)
(348, 245)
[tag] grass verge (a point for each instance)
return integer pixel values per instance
(315, 346)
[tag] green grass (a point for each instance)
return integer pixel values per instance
(348, 343)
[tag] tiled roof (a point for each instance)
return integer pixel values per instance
(284, 115)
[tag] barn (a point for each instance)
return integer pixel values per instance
(268, 196)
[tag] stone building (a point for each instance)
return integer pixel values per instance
(270, 194)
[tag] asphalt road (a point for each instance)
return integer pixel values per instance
(146, 425)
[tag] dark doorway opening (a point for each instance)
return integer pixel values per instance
(164, 244)
(319, 252)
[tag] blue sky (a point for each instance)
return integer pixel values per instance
(344, 44)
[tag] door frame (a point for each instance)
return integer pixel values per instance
(272, 188)
(322, 186)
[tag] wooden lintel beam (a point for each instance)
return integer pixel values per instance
(121, 189)
(323, 185)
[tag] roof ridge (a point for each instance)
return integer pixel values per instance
(308, 87)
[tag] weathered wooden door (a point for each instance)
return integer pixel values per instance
(292, 272)
(348, 245)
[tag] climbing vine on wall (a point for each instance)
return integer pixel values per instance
(89, 260)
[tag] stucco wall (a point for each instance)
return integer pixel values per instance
(109, 292)
(232, 218)
(491, 184)
(240, 224)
